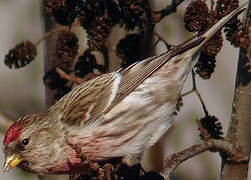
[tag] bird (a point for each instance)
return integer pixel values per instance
(116, 115)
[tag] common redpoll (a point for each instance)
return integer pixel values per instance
(116, 115)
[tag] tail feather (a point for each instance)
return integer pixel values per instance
(218, 26)
(182, 58)
(189, 52)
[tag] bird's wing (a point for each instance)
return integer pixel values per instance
(135, 74)
(87, 101)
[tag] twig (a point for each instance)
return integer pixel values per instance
(48, 34)
(198, 94)
(168, 46)
(194, 89)
(158, 15)
(76, 79)
(63, 75)
(212, 6)
(222, 146)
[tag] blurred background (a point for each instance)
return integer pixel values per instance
(22, 90)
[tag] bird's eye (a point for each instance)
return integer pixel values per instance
(25, 141)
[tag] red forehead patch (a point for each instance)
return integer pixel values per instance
(13, 133)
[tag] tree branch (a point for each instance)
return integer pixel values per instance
(76, 79)
(221, 146)
(158, 15)
(158, 35)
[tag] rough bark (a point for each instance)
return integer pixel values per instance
(48, 47)
(240, 125)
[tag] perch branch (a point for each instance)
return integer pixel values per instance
(222, 146)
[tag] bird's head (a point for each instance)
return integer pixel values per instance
(26, 143)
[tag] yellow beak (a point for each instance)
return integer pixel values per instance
(12, 161)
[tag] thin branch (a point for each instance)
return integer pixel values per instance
(194, 89)
(212, 6)
(158, 15)
(168, 46)
(63, 75)
(187, 93)
(198, 94)
(48, 34)
(225, 147)
(76, 79)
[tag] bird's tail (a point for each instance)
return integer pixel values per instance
(216, 27)
(191, 48)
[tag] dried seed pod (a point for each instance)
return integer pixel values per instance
(196, 16)
(53, 80)
(63, 11)
(205, 66)
(61, 92)
(236, 35)
(132, 13)
(98, 32)
(21, 55)
(213, 127)
(66, 50)
(127, 49)
(87, 64)
(86, 11)
(213, 47)
(223, 7)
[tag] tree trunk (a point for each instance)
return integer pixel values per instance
(48, 49)
(239, 131)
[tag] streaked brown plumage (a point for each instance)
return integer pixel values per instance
(116, 115)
